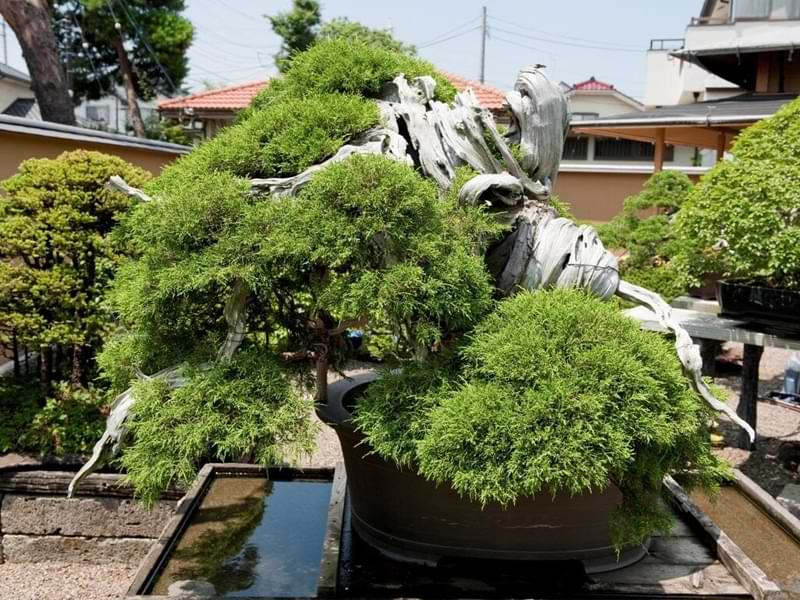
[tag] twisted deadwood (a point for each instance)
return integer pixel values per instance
(541, 251)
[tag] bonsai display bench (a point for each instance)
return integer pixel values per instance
(702, 324)
(696, 559)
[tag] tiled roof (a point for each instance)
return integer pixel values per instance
(593, 84)
(489, 97)
(237, 97)
(232, 97)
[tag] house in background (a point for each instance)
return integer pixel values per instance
(109, 113)
(203, 114)
(734, 67)
(16, 96)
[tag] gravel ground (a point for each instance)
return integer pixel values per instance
(64, 581)
(776, 425)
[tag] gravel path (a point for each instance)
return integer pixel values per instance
(64, 581)
(70, 581)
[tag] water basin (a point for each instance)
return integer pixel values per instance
(251, 536)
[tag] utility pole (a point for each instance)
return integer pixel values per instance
(5, 41)
(484, 33)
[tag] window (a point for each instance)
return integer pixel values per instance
(576, 148)
(612, 149)
(98, 113)
(584, 116)
(766, 9)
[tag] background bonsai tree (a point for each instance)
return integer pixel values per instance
(743, 218)
(56, 257)
(645, 230)
(353, 195)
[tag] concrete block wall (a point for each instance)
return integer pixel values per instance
(43, 527)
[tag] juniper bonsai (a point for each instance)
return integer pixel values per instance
(266, 245)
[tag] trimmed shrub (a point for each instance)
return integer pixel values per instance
(650, 240)
(741, 219)
(558, 392)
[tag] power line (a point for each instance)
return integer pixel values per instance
(241, 13)
(232, 43)
(568, 37)
(447, 39)
(513, 43)
(449, 31)
(573, 44)
(143, 39)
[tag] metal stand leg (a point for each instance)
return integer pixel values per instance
(748, 401)
(708, 352)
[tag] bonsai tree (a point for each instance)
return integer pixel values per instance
(645, 230)
(741, 220)
(360, 192)
(57, 255)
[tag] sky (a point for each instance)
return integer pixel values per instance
(575, 39)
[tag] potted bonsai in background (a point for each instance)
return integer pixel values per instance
(742, 220)
(360, 192)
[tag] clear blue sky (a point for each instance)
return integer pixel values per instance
(234, 43)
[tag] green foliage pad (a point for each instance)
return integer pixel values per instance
(557, 392)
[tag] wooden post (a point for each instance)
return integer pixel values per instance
(762, 73)
(658, 161)
(722, 142)
(748, 400)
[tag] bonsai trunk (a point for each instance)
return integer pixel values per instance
(130, 91)
(31, 21)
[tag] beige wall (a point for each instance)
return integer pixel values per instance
(10, 90)
(16, 147)
(598, 197)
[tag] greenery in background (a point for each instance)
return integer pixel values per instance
(528, 411)
(743, 218)
(302, 26)
(297, 27)
(645, 230)
(166, 130)
(57, 256)
(140, 45)
(368, 241)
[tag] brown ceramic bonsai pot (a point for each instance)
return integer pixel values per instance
(407, 517)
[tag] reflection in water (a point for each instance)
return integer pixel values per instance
(253, 537)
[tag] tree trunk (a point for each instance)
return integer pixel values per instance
(45, 373)
(31, 21)
(78, 375)
(134, 113)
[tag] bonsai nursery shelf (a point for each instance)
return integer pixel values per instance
(259, 533)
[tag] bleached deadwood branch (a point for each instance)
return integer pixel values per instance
(687, 351)
(116, 433)
(118, 184)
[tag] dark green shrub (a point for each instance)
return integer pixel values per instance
(558, 392)
(741, 220)
(645, 229)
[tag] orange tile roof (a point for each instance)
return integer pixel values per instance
(488, 96)
(237, 97)
(232, 97)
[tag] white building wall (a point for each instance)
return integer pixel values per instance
(10, 90)
(670, 81)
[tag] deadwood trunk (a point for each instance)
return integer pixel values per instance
(31, 21)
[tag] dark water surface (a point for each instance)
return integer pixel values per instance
(253, 537)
